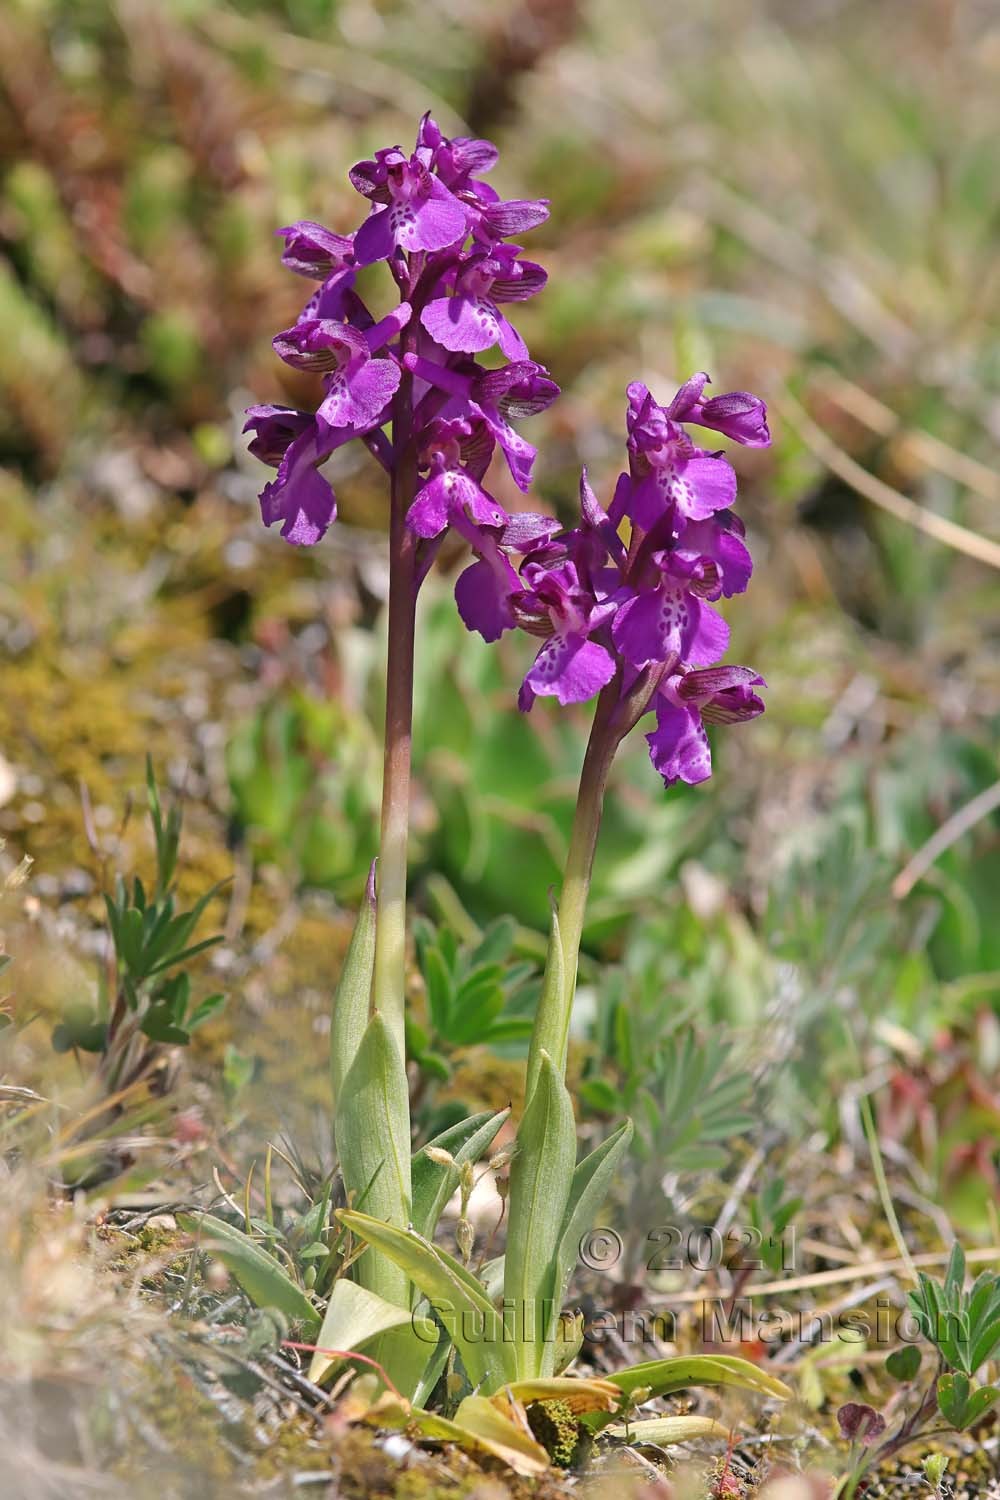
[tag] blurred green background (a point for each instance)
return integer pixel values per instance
(801, 198)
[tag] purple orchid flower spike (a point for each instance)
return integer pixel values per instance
(419, 213)
(636, 615)
(678, 746)
(470, 320)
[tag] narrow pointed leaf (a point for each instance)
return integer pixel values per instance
(541, 1176)
(666, 1430)
(352, 999)
(589, 1188)
(551, 1025)
(661, 1376)
(258, 1273)
(455, 1296)
(372, 1130)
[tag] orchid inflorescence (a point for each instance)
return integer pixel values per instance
(626, 596)
(622, 608)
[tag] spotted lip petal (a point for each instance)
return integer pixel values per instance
(570, 668)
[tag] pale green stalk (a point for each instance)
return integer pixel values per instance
(551, 1029)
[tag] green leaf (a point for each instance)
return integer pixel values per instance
(666, 1430)
(353, 1317)
(372, 1128)
(352, 998)
(541, 1177)
(438, 982)
(432, 1183)
(480, 1426)
(209, 1007)
(158, 1025)
(662, 1376)
(985, 1345)
(257, 1272)
(456, 1297)
(600, 1095)
(588, 1190)
(978, 1404)
(903, 1364)
(953, 1397)
(82, 1029)
(549, 1035)
(954, 1276)
(496, 942)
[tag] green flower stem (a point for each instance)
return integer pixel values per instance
(615, 716)
(390, 934)
(551, 1029)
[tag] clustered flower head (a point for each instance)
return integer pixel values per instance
(623, 601)
(627, 596)
(442, 232)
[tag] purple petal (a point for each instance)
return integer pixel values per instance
(687, 397)
(669, 623)
(709, 638)
(428, 223)
(358, 398)
(734, 705)
(483, 593)
(699, 687)
(318, 345)
(515, 216)
(275, 428)
(462, 324)
(738, 415)
(525, 529)
(678, 746)
(313, 250)
(701, 486)
(570, 668)
(521, 389)
(527, 279)
(376, 239)
(472, 156)
(299, 497)
(448, 495)
(334, 300)
(520, 455)
(511, 342)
